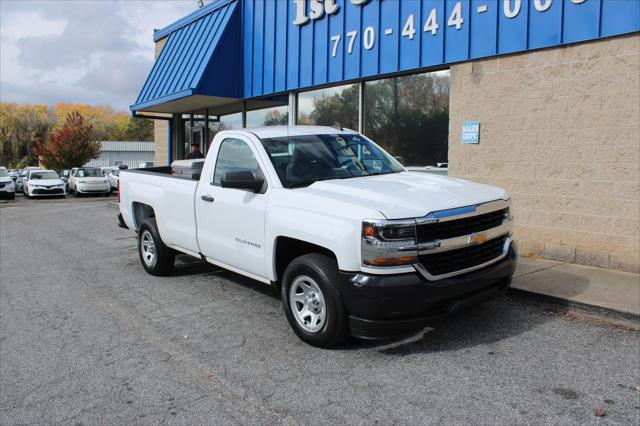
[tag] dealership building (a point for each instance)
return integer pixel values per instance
(541, 97)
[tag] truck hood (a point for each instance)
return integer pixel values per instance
(406, 194)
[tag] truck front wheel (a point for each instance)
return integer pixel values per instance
(312, 302)
(157, 259)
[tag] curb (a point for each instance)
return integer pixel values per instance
(574, 306)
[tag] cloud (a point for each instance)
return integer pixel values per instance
(96, 52)
(117, 74)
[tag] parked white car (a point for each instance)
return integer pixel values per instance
(114, 177)
(43, 183)
(88, 180)
(355, 243)
(7, 187)
(21, 177)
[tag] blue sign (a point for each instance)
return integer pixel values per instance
(470, 132)
(250, 48)
(293, 44)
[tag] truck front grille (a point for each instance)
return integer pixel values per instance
(459, 227)
(467, 257)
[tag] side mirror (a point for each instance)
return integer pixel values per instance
(241, 180)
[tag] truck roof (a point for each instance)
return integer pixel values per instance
(281, 131)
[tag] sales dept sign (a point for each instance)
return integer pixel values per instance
(470, 132)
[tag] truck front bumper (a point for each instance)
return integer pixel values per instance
(385, 306)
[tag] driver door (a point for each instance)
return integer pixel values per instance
(231, 221)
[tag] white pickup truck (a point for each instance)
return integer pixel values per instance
(356, 244)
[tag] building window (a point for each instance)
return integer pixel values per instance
(334, 106)
(272, 111)
(223, 122)
(409, 117)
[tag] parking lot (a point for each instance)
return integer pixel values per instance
(87, 337)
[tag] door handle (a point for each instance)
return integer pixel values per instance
(207, 198)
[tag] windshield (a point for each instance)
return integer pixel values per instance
(303, 160)
(64, 173)
(43, 175)
(89, 173)
(4, 173)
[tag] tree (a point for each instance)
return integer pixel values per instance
(275, 117)
(138, 129)
(72, 145)
(20, 127)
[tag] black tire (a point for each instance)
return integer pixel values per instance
(164, 257)
(323, 270)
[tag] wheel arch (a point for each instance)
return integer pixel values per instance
(287, 248)
(141, 212)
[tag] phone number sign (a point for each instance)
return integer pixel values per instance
(291, 44)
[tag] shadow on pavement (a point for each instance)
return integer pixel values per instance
(188, 265)
(491, 321)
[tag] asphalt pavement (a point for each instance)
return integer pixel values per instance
(87, 337)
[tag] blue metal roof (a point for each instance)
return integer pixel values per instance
(186, 60)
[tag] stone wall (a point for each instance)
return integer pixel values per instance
(560, 129)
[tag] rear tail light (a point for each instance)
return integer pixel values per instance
(118, 190)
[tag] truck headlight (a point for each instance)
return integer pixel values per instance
(389, 243)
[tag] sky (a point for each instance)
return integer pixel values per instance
(96, 52)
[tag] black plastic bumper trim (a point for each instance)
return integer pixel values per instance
(384, 306)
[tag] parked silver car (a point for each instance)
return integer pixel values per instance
(7, 188)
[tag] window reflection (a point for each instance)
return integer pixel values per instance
(334, 106)
(272, 111)
(409, 117)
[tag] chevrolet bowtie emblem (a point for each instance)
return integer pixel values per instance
(477, 238)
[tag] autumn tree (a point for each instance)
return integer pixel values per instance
(20, 127)
(71, 145)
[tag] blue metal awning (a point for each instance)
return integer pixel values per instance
(191, 62)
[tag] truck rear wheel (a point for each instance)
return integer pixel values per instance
(157, 259)
(311, 300)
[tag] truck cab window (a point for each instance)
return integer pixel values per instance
(235, 155)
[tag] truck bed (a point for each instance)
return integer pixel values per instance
(170, 196)
(164, 171)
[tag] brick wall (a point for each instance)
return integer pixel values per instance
(161, 127)
(560, 129)
(161, 138)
